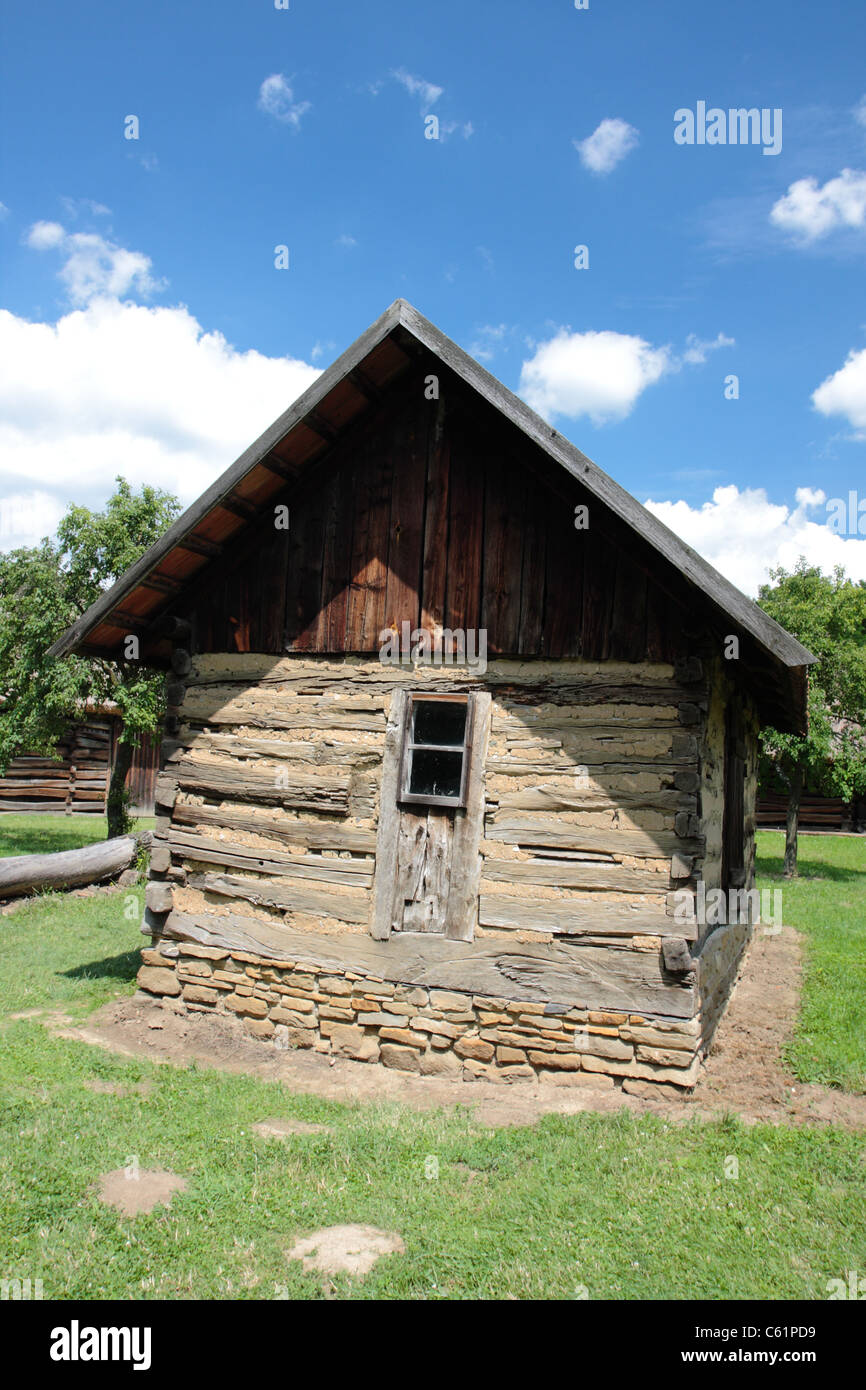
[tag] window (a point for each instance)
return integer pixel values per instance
(436, 745)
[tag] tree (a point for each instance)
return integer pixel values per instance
(44, 589)
(827, 613)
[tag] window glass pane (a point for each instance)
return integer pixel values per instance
(440, 721)
(435, 774)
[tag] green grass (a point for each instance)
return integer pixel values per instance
(43, 834)
(827, 905)
(627, 1206)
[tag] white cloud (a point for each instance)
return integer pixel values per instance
(278, 100)
(123, 388)
(744, 534)
(696, 348)
(609, 143)
(601, 374)
(44, 235)
(447, 128)
(94, 266)
(428, 92)
(859, 111)
(25, 517)
(810, 211)
(4, 211)
(490, 336)
(596, 374)
(346, 240)
(73, 207)
(844, 393)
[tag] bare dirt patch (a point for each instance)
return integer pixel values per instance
(280, 1129)
(117, 1088)
(345, 1249)
(744, 1072)
(136, 1191)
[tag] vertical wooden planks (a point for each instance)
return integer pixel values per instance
(564, 581)
(435, 563)
(406, 523)
(659, 613)
(598, 590)
(423, 863)
(389, 820)
(306, 545)
(369, 567)
(502, 566)
(537, 510)
(462, 913)
(269, 615)
(336, 561)
(465, 532)
(628, 618)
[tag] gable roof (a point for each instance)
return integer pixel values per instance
(306, 430)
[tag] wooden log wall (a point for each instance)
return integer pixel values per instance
(722, 690)
(76, 780)
(817, 812)
(268, 807)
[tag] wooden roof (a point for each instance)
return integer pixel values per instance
(293, 444)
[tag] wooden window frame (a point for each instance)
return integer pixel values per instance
(409, 747)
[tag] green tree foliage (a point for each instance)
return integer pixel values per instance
(827, 613)
(45, 588)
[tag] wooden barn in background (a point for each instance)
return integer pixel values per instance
(76, 778)
(460, 735)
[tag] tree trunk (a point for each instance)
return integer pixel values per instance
(118, 817)
(69, 868)
(793, 822)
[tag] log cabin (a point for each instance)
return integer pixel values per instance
(75, 778)
(456, 729)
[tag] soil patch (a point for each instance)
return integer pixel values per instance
(132, 1191)
(345, 1249)
(116, 1088)
(744, 1072)
(281, 1129)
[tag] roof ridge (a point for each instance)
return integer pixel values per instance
(401, 313)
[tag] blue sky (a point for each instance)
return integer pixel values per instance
(146, 329)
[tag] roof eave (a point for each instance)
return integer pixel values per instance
(785, 647)
(223, 485)
(773, 638)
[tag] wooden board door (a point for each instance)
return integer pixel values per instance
(428, 858)
(424, 850)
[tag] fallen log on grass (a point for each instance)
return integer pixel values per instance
(68, 868)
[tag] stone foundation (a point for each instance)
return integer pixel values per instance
(432, 1032)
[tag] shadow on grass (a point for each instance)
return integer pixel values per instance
(49, 833)
(771, 866)
(47, 840)
(123, 968)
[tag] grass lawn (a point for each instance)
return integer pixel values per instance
(827, 905)
(43, 834)
(623, 1206)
